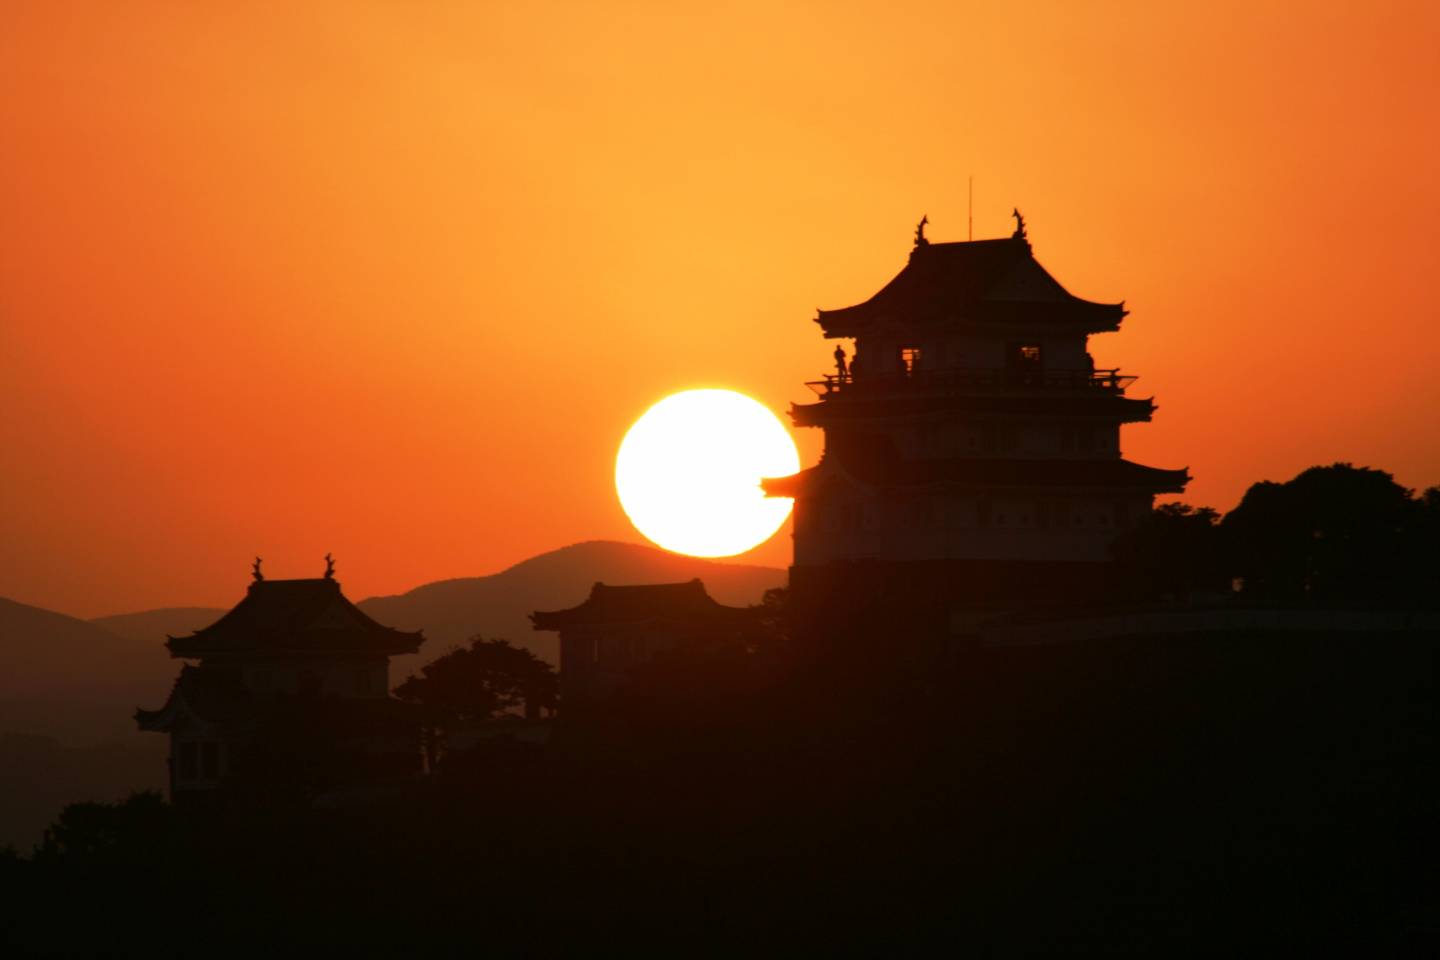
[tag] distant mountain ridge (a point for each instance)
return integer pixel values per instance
(153, 626)
(71, 679)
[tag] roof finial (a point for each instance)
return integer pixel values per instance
(329, 567)
(255, 571)
(1019, 224)
(920, 240)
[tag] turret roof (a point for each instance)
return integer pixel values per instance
(638, 604)
(295, 616)
(979, 281)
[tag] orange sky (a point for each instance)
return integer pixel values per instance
(391, 279)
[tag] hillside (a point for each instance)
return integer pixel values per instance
(153, 626)
(72, 680)
(450, 611)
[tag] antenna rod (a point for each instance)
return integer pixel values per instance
(970, 231)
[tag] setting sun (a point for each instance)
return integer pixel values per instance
(688, 473)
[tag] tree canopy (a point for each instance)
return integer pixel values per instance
(1334, 536)
(482, 681)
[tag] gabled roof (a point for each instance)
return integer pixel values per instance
(973, 281)
(686, 602)
(895, 473)
(295, 616)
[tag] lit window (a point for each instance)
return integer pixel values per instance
(910, 359)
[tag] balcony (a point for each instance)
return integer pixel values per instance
(972, 380)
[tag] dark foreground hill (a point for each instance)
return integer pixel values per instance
(1224, 795)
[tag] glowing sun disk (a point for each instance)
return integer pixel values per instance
(688, 473)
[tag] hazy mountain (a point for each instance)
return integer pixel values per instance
(450, 611)
(66, 678)
(153, 626)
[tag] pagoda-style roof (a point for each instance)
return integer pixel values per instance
(607, 605)
(979, 281)
(294, 617)
(894, 473)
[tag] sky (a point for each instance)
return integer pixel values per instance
(391, 279)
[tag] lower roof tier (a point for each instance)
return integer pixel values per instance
(1108, 407)
(641, 603)
(220, 700)
(981, 474)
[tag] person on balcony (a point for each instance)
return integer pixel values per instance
(841, 372)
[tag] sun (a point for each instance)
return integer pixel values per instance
(688, 473)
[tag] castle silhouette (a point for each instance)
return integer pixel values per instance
(972, 465)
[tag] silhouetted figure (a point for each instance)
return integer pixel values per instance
(329, 567)
(255, 571)
(840, 369)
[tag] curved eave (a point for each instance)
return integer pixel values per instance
(857, 408)
(1083, 315)
(794, 486)
(988, 475)
(575, 617)
(153, 721)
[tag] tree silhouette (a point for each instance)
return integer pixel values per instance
(480, 682)
(92, 832)
(1333, 536)
(1174, 552)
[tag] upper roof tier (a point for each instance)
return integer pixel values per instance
(688, 602)
(979, 281)
(294, 617)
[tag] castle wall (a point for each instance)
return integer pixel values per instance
(919, 527)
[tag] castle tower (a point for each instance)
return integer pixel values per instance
(296, 669)
(972, 451)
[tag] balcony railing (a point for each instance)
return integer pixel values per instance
(1108, 381)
